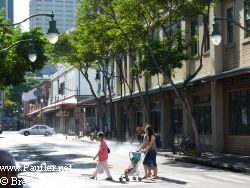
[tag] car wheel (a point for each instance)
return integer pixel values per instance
(46, 134)
(26, 133)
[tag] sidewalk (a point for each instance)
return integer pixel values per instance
(230, 162)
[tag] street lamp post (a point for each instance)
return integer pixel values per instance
(108, 76)
(41, 100)
(216, 34)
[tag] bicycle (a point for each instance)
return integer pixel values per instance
(186, 147)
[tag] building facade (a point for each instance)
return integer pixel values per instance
(9, 9)
(219, 94)
(64, 10)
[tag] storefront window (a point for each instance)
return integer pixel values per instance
(202, 113)
(239, 112)
(156, 116)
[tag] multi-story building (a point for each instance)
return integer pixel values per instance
(64, 10)
(60, 106)
(219, 95)
(9, 7)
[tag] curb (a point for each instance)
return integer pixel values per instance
(227, 167)
(204, 162)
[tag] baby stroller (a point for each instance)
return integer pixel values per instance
(132, 170)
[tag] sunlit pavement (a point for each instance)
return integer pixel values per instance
(58, 151)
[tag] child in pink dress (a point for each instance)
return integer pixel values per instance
(102, 155)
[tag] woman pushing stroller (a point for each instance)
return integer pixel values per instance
(149, 147)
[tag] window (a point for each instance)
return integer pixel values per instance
(202, 114)
(239, 112)
(230, 25)
(194, 33)
(61, 89)
(247, 16)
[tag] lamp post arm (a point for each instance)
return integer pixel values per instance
(231, 20)
(20, 41)
(48, 15)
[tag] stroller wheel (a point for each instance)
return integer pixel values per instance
(139, 179)
(134, 178)
(120, 179)
(127, 179)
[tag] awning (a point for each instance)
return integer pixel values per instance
(32, 113)
(61, 104)
(227, 74)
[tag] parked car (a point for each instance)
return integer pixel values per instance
(38, 130)
(1, 129)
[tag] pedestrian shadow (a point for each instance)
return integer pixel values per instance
(175, 181)
(146, 181)
(84, 165)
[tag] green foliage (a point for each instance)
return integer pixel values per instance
(15, 62)
(105, 29)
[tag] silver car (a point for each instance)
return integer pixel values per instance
(38, 130)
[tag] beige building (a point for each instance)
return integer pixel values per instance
(220, 93)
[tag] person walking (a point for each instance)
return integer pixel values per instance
(149, 148)
(139, 134)
(102, 162)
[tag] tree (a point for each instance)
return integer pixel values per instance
(15, 62)
(82, 57)
(167, 53)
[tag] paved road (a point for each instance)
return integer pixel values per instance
(73, 164)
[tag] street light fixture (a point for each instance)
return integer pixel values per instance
(216, 34)
(52, 34)
(31, 53)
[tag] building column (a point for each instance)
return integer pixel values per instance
(217, 117)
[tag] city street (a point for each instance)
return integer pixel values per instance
(73, 164)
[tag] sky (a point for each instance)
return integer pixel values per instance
(21, 12)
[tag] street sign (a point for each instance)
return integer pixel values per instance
(1, 98)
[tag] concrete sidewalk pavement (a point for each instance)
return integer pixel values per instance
(230, 162)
